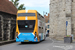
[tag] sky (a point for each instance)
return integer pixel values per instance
(39, 5)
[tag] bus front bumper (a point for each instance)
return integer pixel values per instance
(26, 40)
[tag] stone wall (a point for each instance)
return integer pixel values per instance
(68, 7)
(73, 17)
(8, 26)
(59, 11)
(53, 18)
(61, 20)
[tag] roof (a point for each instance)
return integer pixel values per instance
(8, 7)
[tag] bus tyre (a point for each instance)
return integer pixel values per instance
(22, 42)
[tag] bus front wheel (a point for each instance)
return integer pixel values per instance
(22, 42)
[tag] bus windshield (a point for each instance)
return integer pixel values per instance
(26, 14)
(26, 25)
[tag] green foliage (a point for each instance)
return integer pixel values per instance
(16, 4)
(68, 36)
(21, 7)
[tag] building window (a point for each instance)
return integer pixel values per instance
(48, 26)
(48, 21)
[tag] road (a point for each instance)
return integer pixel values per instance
(48, 44)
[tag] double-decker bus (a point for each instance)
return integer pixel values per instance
(30, 26)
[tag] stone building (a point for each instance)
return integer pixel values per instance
(7, 20)
(47, 22)
(60, 12)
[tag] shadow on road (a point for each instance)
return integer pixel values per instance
(29, 43)
(42, 42)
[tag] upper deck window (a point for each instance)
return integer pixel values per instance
(26, 14)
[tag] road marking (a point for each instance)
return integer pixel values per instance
(67, 47)
(52, 40)
(55, 42)
(64, 47)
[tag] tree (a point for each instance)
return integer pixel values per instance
(16, 4)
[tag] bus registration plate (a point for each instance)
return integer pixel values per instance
(26, 41)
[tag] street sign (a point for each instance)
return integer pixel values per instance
(66, 23)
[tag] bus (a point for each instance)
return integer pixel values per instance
(30, 26)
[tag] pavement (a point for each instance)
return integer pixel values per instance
(48, 44)
(7, 42)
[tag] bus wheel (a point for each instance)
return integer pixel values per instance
(22, 42)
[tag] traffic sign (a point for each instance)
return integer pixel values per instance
(66, 23)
